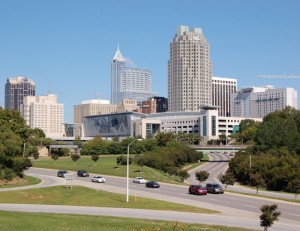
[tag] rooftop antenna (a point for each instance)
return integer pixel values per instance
(49, 89)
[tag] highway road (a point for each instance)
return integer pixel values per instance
(228, 204)
(231, 206)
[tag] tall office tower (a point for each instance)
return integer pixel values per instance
(15, 90)
(190, 71)
(257, 102)
(45, 113)
(92, 107)
(129, 82)
(222, 89)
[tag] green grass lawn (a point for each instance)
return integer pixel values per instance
(106, 165)
(65, 222)
(82, 196)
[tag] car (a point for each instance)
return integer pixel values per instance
(214, 188)
(152, 184)
(139, 180)
(197, 189)
(61, 173)
(98, 179)
(83, 173)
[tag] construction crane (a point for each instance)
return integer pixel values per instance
(279, 76)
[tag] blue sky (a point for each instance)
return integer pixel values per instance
(66, 46)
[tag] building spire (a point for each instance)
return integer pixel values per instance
(118, 56)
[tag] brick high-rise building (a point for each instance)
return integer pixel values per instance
(155, 105)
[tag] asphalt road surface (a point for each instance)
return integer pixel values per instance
(231, 206)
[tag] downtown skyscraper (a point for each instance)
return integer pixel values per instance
(129, 82)
(189, 71)
(15, 91)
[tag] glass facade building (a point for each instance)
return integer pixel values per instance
(129, 82)
(15, 91)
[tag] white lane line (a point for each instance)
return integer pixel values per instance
(234, 199)
(293, 214)
(213, 199)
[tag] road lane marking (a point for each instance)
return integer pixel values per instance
(250, 206)
(293, 214)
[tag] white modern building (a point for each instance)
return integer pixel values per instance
(129, 82)
(222, 89)
(16, 89)
(45, 113)
(189, 71)
(257, 102)
(205, 122)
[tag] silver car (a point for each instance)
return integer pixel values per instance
(139, 180)
(98, 179)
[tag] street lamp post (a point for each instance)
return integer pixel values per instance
(127, 170)
(250, 161)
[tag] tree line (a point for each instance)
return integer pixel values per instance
(273, 161)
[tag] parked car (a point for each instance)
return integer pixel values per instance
(98, 179)
(152, 184)
(197, 189)
(139, 180)
(83, 173)
(61, 173)
(214, 188)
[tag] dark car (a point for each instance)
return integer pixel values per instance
(152, 184)
(214, 188)
(197, 189)
(61, 173)
(83, 173)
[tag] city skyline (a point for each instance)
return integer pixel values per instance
(66, 47)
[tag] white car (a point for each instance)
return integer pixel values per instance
(98, 179)
(139, 180)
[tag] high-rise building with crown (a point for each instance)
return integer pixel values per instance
(189, 71)
(129, 82)
(15, 91)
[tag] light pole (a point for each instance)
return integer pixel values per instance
(127, 175)
(250, 161)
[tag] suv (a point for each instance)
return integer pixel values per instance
(83, 173)
(61, 173)
(197, 189)
(214, 188)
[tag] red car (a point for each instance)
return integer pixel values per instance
(197, 189)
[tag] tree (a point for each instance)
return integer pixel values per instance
(164, 138)
(95, 158)
(54, 156)
(268, 216)
(183, 174)
(140, 161)
(122, 160)
(247, 131)
(257, 180)
(294, 187)
(202, 176)
(95, 146)
(227, 178)
(75, 157)
(78, 141)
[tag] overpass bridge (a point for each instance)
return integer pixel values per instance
(231, 148)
